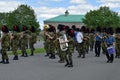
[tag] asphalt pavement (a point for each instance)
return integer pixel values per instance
(38, 67)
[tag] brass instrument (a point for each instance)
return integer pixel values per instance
(63, 43)
(46, 27)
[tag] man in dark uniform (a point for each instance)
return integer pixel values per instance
(5, 43)
(110, 44)
(98, 40)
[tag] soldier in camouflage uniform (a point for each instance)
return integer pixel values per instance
(5, 43)
(24, 39)
(15, 41)
(32, 40)
(46, 27)
(117, 46)
(87, 40)
(103, 41)
(50, 39)
(92, 39)
(61, 32)
(70, 50)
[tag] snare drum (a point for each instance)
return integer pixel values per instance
(111, 50)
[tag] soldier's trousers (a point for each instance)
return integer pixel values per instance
(61, 55)
(46, 45)
(23, 49)
(91, 45)
(81, 49)
(51, 48)
(14, 49)
(4, 52)
(97, 48)
(118, 50)
(32, 47)
(68, 57)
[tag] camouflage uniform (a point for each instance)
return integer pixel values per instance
(68, 54)
(23, 40)
(15, 44)
(32, 41)
(46, 43)
(5, 43)
(51, 45)
(117, 46)
(104, 49)
(60, 52)
(86, 42)
(92, 41)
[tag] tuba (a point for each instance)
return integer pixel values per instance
(63, 46)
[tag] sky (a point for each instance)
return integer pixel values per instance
(45, 9)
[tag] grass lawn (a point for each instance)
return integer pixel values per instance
(37, 50)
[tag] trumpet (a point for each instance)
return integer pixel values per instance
(62, 39)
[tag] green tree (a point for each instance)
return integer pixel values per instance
(103, 17)
(23, 15)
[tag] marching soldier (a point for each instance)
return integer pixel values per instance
(70, 50)
(46, 27)
(86, 40)
(59, 51)
(50, 38)
(15, 41)
(61, 32)
(32, 40)
(24, 42)
(92, 39)
(98, 40)
(5, 43)
(110, 45)
(103, 40)
(117, 46)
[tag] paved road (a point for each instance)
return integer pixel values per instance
(39, 67)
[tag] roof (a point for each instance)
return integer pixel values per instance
(66, 18)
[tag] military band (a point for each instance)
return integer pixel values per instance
(61, 41)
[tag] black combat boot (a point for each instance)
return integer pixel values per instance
(83, 56)
(47, 54)
(22, 55)
(25, 55)
(15, 58)
(52, 56)
(70, 65)
(67, 63)
(7, 61)
(31, 54)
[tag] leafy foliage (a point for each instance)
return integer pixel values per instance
(23, 15)
(102, 17)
